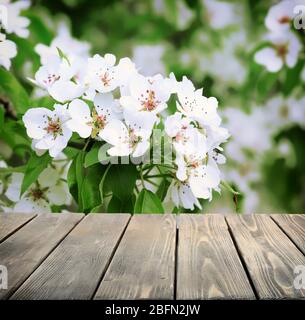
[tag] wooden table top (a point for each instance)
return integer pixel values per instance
(118, 256)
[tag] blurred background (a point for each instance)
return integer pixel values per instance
(213, 43)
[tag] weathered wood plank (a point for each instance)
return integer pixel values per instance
(143, 266)
(294, 226)
(208, 263)
(269, 255)
(73, 270)
(11, 222)
(22, 252)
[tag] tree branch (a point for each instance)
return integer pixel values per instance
(9, 111)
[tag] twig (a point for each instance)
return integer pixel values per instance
(9, 111)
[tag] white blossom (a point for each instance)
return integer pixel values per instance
(181, 195)
(184, 15)
(147, 94)
(198, 107)
(49, 189)
(220, 14)
(14, 23)
(280, 16)
(58, 78)
(187, 139)
(131, 137)
(48, 129)
(235, 71)
(86, 122)
(284, 50)
(285, 112)
(102, 74)
(250, 132)
(73, 48)
(8, 50)
(200, 174)
(148, 58)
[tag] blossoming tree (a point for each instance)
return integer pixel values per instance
(85, 130)
(99, 102)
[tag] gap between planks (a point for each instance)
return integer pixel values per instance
(76, 266)
(270, 256)
(177, 218)
(24, 234)
(9, 226)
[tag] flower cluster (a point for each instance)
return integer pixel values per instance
(49, 190)
(196, 134)
(12, 23)
(111, 102)
(285, 46)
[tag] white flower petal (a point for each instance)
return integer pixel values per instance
(48, 177)
(14, 187)
(63, 91)
(268, 58)
(141, 149)
(59, 194)
(26, 205)
(35, 121)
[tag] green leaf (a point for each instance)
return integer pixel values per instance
(228, 187)
(14, 135)
(118, 206)
(91, 197)
(1, 118)
(101, 184)
(92, 155)
(265, 84)
(148, 202)
(98, 209)
(79, 176)
(26, 53)
(39, 31)
(162, 190)
(293, 78)
(13, 90)
(71, 179)
(33, 169)
(121, 180)
(75, 177)
(62, 55)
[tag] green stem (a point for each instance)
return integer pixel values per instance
(141, 175)
(86, 144)
(11, 170)
(160, 165)
(152, 182)
(158, 176)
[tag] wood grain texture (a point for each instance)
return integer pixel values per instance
(269, 255)
(11, 222)
(74, 269)
(294, 226)
(143, 266)
(23, 252)
(208, 263)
